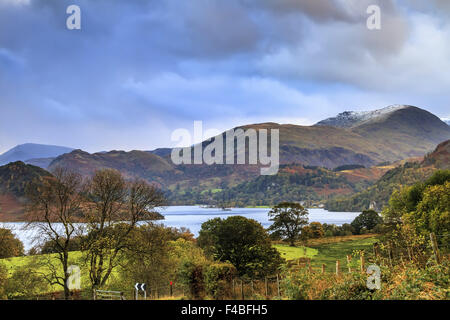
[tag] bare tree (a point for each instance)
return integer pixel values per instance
(113, 209)
(53, 211)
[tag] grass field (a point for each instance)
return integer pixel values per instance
(328, 250)
(320, 251)
(293, 253)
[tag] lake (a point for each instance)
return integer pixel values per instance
(192, 217)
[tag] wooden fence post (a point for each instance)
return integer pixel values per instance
(409, 253)
(390, 253)
(337, 267)
(95, 294)
(242, 290)
(376, 250)
(234, 289)
(349, 261)
(361, 257)
(278, 286)
(323, 267)
(266, 285)
(435, 247)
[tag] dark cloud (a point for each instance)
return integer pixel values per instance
(139, 69)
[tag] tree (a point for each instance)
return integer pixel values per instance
(3, 281)
(113, 208)
(242, 242)
(433, 213)
(26, 283)
(424, 206)
(314, 230)
(10, 246)
(54, 209)
(368, 220)
(288, 220)
(147, 256)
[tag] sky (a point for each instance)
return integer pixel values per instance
(138, 70)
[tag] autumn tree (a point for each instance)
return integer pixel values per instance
(288, 220)
(367, 220)
(10, 246)
(242, 242)
(147, 257)
(53, 211)
(113, 208)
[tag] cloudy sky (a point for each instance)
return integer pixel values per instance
(137, 70)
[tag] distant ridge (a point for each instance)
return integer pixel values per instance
(28, 151)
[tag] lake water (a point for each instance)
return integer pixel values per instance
(192, 217)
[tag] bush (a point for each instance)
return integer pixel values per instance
(24, 284)
(3, 281)
(191, 275)
(10, 246)
(217, 279)
(242, 242)
(366, 221)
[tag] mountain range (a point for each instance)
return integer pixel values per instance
(366, 141)
(406, 174)
(31, 152)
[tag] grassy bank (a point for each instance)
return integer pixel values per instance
(328, 250)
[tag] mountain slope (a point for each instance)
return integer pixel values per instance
(405, 132)
(133, 164)
(14, 178)
(409, 173)
(28, 151)
(350, 119)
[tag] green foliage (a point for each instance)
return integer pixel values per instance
(367, 220)
(288, 220)
(313, 231)
(10, 246)
(242, 242)
(3, 281)
(25, 283)
(75, 244)
(148, 257)
(425, 206)
(191, 275)
(353, 287)
(332, 230)
(433, 212)
(217, 279)
(291, 183)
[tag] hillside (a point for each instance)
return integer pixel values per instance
(407, 174)
(14, 178)
(133, 164)
(293, 182)
(408, 131)
(29, 151)
(440, 157)
(388, 135)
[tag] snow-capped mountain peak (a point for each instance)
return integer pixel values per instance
(349, 119)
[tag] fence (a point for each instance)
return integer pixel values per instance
(108, 295)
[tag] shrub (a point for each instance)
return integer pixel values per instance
(191, 275)
(217, 279)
